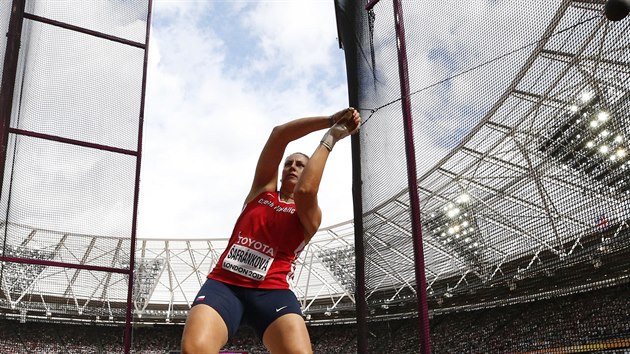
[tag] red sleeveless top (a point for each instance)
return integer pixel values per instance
(267, 239)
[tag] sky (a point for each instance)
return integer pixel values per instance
(221, 75)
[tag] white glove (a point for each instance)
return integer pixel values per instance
(348, 124)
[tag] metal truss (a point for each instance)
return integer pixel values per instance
(168, 274)
(520, 194)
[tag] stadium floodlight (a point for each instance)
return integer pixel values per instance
(589, 141)
(586, 97)
(463, 198)
(453, 225)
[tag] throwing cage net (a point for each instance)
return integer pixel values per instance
(519, 116)
(71, 109)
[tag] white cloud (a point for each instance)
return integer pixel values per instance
(298, 35)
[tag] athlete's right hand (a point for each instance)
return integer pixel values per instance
(348, 124)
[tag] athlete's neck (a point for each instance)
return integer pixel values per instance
(285, 197)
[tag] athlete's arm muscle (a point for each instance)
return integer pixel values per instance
(266, 174)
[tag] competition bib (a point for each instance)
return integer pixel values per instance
(247, 262)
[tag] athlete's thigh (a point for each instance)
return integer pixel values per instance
(288, 334)
(204, 332)
(215, 317)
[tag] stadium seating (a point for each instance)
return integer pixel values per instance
(599, 320)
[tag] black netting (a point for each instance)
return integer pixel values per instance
(78, 86)
(5, 14)
(119, 18)
(520, 127)
(72, 125)
(90, 193)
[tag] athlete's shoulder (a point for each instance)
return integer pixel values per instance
(268, 195)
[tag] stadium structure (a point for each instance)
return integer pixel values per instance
(527, 200)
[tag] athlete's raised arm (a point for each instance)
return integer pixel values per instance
(307, 187)
(266, 174)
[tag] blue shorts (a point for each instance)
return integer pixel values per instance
(256, 307)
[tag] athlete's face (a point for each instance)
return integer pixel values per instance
(293, 167)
